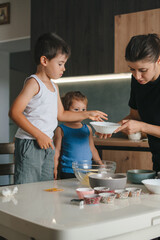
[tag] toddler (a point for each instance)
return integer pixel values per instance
(73, 140)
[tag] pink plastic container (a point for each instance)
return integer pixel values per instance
(84, 191)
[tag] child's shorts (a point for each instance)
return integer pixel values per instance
(32, 164)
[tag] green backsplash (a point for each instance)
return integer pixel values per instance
(109, 96)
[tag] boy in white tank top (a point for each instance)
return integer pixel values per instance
(37, 109)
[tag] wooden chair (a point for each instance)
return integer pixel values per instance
(7, 168)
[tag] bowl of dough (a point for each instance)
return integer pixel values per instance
(110, 180)
(83, 170)
(105, 127)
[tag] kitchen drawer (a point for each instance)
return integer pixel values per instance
(128, 159)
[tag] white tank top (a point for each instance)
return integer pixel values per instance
(41, 111)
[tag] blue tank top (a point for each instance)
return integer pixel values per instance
(75, 146)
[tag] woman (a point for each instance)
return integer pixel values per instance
(143, 58)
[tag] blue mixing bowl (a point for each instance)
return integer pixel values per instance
(137, 175)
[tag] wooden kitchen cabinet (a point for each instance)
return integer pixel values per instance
(128, 159)
(128, 25)
(126, 153)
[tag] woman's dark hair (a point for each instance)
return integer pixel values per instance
(49, 45)
(143, 47)
(70, 96)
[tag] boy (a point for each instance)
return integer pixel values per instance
(37, 109)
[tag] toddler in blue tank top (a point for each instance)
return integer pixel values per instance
(73, 140)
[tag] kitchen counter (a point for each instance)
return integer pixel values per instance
(35, 213)
(126, 153)
(121, 144)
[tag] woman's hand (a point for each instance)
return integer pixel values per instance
(129, 126)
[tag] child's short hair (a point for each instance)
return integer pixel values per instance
(142, 47)
(70, 96)
(49, 45)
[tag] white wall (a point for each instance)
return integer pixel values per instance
(4, 105)
(14, 37)
(19, 27)
(11, 35)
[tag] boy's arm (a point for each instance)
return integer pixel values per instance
(57, 143)
(95, 154)
(69, 116)
(30, 89)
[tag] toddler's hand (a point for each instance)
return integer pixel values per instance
(97, 115)
(105, 136)
(55, 173)
(44, 141)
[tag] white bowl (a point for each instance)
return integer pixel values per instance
(105, 127)
(153, 185)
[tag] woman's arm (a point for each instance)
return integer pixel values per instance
(69, 116)
(132, 124)
(30, 89)
(57, 143)
(95, 154)
(132, 115)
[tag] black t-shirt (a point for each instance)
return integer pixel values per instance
(146, 99)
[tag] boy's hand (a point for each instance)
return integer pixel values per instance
(44, 141)
(97, 116)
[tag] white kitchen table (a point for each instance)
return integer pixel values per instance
(36, 214)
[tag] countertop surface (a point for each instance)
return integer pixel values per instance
(50, 215)
(124, 142)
